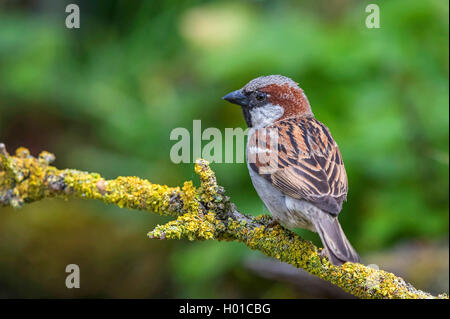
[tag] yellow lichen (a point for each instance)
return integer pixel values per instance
(189, 198)
(202, 213)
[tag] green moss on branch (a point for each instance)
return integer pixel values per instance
(202, 213)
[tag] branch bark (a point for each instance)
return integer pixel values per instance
(202, 213)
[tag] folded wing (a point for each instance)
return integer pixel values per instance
(302, 160)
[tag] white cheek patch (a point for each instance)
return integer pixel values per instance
(265, 115)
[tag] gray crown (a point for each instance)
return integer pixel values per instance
(264, 81)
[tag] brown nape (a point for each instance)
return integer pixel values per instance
(292, 99)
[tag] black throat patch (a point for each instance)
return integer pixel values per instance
(247, 116)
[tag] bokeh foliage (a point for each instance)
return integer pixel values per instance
(106, 97)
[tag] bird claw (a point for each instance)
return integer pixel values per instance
(322, 253)
(271, 225)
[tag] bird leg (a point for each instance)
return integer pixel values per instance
(272, 224)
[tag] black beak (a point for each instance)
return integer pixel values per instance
(237, 97)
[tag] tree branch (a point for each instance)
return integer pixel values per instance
(201, 213)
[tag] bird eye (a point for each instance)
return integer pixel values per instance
(260, 96)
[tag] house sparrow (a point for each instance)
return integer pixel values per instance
(304, 183)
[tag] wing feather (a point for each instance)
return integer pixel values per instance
(308, 164)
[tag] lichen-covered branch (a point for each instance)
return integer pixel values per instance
(201, 213)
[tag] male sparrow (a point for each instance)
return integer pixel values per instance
(303, 183)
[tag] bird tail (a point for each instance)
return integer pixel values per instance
(336, 245)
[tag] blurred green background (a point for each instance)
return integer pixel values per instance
(105, 98)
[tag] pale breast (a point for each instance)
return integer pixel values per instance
(288, 211)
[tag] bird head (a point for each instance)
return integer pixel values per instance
(267, 99)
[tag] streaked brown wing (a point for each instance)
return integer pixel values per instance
(309, 165)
